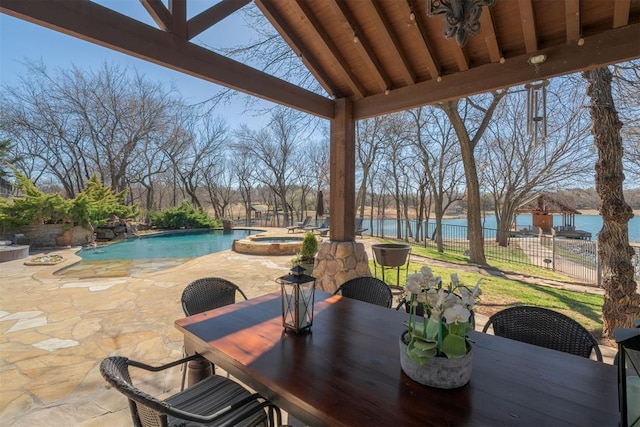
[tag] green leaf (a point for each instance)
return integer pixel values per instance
(454, 346)
(432, 329)
(420, 356)
(459, 329)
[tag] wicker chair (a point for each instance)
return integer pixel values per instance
(367, 289)
(545, 328)
(215, 401)
(206, 294)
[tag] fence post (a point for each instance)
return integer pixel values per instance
(598, 268)
(553, 252)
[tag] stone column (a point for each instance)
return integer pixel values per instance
(337, 262)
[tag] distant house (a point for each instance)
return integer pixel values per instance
(542, 207)
(6, 188)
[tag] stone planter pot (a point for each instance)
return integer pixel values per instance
(439, 372)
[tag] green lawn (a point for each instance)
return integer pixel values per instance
(499, 292)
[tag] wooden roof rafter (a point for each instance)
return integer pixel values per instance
(572, 17)
(166, 19)
(489, 33)
(393, 44)
(527, 19)
(159, 13)
(293, 40)
(621, 13)
(418, 33)
(324, 42)
(366, 53)
(213, 15)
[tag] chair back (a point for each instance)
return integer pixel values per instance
(146, 410)
(209, 293)
(545, 328)
(367, 289)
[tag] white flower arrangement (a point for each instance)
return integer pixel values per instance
(442, 330)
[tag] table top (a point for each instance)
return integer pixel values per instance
(346, 372)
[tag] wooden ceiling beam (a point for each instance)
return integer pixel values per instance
(365, 51)
(212, 16)
(458, 53)
(572, 18)
(603, 49)
(342, 66)
(392, 44)
(621, 10)
(94, 23)
(528, 26)
(488, 30)
(418, 34)
(297, 46)
(158, 12)
(178, 10)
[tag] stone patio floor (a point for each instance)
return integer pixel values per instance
(55, 332)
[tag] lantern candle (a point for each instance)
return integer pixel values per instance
(297, 300)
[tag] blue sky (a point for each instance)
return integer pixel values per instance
(20, 40)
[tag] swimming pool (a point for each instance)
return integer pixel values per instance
(151, 253)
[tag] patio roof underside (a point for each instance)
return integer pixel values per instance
(384, 56)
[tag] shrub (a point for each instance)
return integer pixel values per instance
(309, 247)
(91, 207)
(183, 216)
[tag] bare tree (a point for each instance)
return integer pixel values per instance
(201, 149)
(470, 118)
(220, 184)
(77, 123)
(514, 164)
(435, 145)
(621, 300)
(368, 149)
(274, 150)
(393, 137)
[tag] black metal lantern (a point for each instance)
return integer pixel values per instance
(297, 300)
(628, 340)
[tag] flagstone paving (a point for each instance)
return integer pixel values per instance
(55, 331)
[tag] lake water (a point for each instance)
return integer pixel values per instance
(590, 223)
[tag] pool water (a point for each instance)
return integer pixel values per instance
(150, 253)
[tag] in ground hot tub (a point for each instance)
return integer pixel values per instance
(261, 244)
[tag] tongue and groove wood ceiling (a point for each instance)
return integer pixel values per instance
(385, 55)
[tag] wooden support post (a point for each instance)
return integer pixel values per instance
(343, 172)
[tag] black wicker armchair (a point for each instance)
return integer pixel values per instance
(367, 289)
(215, 401)
(545, 328)
(208, 293)
(203, 295)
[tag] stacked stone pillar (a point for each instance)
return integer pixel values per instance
(337, 262)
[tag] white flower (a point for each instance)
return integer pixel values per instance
(457, 314)
(432, 297)
(467, 297)
(476, 290)
(426, 272)
(414, 283)
(454, 279)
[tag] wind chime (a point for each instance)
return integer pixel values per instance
(537, 109)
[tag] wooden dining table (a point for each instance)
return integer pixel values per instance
(346, 371)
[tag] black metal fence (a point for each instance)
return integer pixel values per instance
(573, 257)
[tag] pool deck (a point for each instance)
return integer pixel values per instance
(55, 332)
